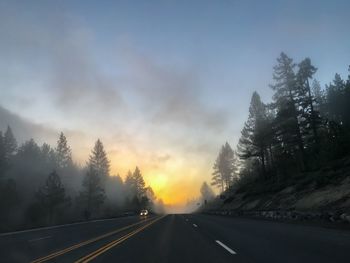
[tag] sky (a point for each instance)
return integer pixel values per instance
(163, 84)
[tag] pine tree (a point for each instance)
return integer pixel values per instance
(347, 102)
(286, 104)
(319, 97)
(206, 192)
(337, 116)
(49, 156)
(336, 100)
(2, 156)
(93, 194)
(311, 117)
(99, 162)
(135, 185)
(149, 193)
(29, 152)
(255, 136)
(10, 144)
(224, 168)
(130, 186)
(52, 194)
(63, 152)
(139, 183)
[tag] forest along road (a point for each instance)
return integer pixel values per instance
(177, 238)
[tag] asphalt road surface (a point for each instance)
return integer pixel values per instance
(177, 238)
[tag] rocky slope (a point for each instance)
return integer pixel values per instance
(323, 194)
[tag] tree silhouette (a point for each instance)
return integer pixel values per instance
(255, 135)
(139, 183)
(99, 162)
(206, 192)
(287, 122)
(306, 100)
(2, 156)
(64, 153)
(224, 168)
(92, 195)
(10, 144)
(52, 195)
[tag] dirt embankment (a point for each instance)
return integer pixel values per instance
(319, 195)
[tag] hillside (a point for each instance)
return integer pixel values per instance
(323, 193)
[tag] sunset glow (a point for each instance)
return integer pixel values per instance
(162, 90)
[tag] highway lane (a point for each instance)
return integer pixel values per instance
(267, 241)
(204, 238)
(180, 238)
(172, 239)
(25, 246)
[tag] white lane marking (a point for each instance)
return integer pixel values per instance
(226, 247)
(37, 239)
(195, 225)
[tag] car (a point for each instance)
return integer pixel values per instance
(144, 212)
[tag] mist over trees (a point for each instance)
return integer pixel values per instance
(41, 185)
(207, 193)
(51, 196)
(303, 128)
(225, 168)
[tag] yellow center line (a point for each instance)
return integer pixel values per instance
(61, 252)
(112, 244)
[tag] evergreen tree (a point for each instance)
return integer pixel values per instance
(49, 156)
(130, 186)
(10, 143)
(337, 115)
(2, 156)
(149, 193)
(224, 168)
(52, 195)
(311, 117)
(319, 97)
(286, 103)
(135, 187)
(206, 192)
(99, 162)
(347, 102)
(256, 133)
(29, 151)
(138, 183)
(337, 100)
(93, 194)
(63, 152)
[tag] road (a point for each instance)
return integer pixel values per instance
(177, 238)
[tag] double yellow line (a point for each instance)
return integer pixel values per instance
(112, 244)
(68, 249)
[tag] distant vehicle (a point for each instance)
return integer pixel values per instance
(144, 212)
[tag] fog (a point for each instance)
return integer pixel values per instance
(41, 184)
(162, 85)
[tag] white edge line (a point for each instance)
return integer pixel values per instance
(195, 225)
(226, 247)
